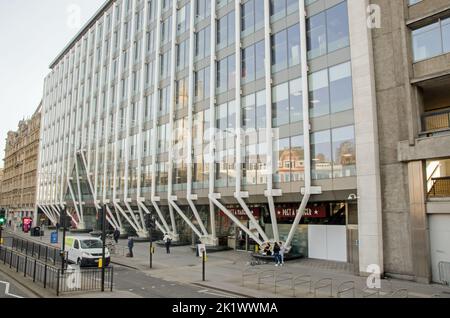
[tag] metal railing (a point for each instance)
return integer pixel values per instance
(440, 187)
(42, 252)
(435, 122)
(51, 277)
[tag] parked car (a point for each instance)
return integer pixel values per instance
(85, 251)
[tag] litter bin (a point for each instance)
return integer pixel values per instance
(36, 231)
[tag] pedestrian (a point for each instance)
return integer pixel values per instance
(282, 251)
(276, 253)
(168, 241)
(267, 250)
(130, 246)
(116, 235)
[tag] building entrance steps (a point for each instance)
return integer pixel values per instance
(224, 271)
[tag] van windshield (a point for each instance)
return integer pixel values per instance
(87, 244)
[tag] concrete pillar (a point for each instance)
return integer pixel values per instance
(419, 222)
(366, 139)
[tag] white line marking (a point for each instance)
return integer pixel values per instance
(206, 291)
(7, 290)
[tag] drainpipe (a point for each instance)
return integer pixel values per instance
(269, 129)
(190, 197)
(239, 195)
(306, 125)
(212, 115)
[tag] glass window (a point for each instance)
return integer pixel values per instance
(316, 36)
(337, 27)
(277, 9)
(259, 14)
(279, 54)
(231, 115)
(282, 160)
(427, 41)
(260, 55)
(321, 155)
(261, 110)
(249, 112)
(248, 18)
(296, 100)
(319, 95)
(341, 92)
(446, 34)
(294, 45)
(344, 154)
(231, 71)
(297, 158)
(280, 106)
(248, 64)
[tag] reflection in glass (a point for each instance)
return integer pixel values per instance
(344, 154)
(321, 155)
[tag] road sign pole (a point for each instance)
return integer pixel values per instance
(103, 245)
(203, 263)
(151, 247)
(63, 250)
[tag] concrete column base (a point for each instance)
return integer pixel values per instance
(209, 240)
(142, 234)
(175, 237)
(81, 225)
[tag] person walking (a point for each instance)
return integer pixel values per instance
(130, 246)
(282, 251)
(276, 253)
(116, 235)
(168, 241)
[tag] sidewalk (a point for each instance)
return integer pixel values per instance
(224, 271)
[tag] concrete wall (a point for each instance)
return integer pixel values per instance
(366, 140)
(394, 113)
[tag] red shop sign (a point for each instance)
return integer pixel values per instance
(240, 213)
(289, 212)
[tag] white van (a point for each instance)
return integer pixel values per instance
(85, 251)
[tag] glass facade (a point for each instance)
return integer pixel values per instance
(128, 108)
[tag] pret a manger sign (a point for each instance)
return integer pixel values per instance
(291, 211)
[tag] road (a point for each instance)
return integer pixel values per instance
(10, 289)
(143, 285)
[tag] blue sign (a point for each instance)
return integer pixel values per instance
(54, 238)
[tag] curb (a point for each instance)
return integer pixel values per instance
(125, 265)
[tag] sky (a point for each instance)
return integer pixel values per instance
(32, 34)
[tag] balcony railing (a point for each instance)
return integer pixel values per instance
(440, 188)
(436, 122)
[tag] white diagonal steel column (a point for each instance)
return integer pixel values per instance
(239, 195)
(101, 98)
(117, 99)
(155, 199)
(306, 124)
(189, 151)
(171, 114)
(141, 105)
(127, 122)
(269, 126)
(212, 119)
